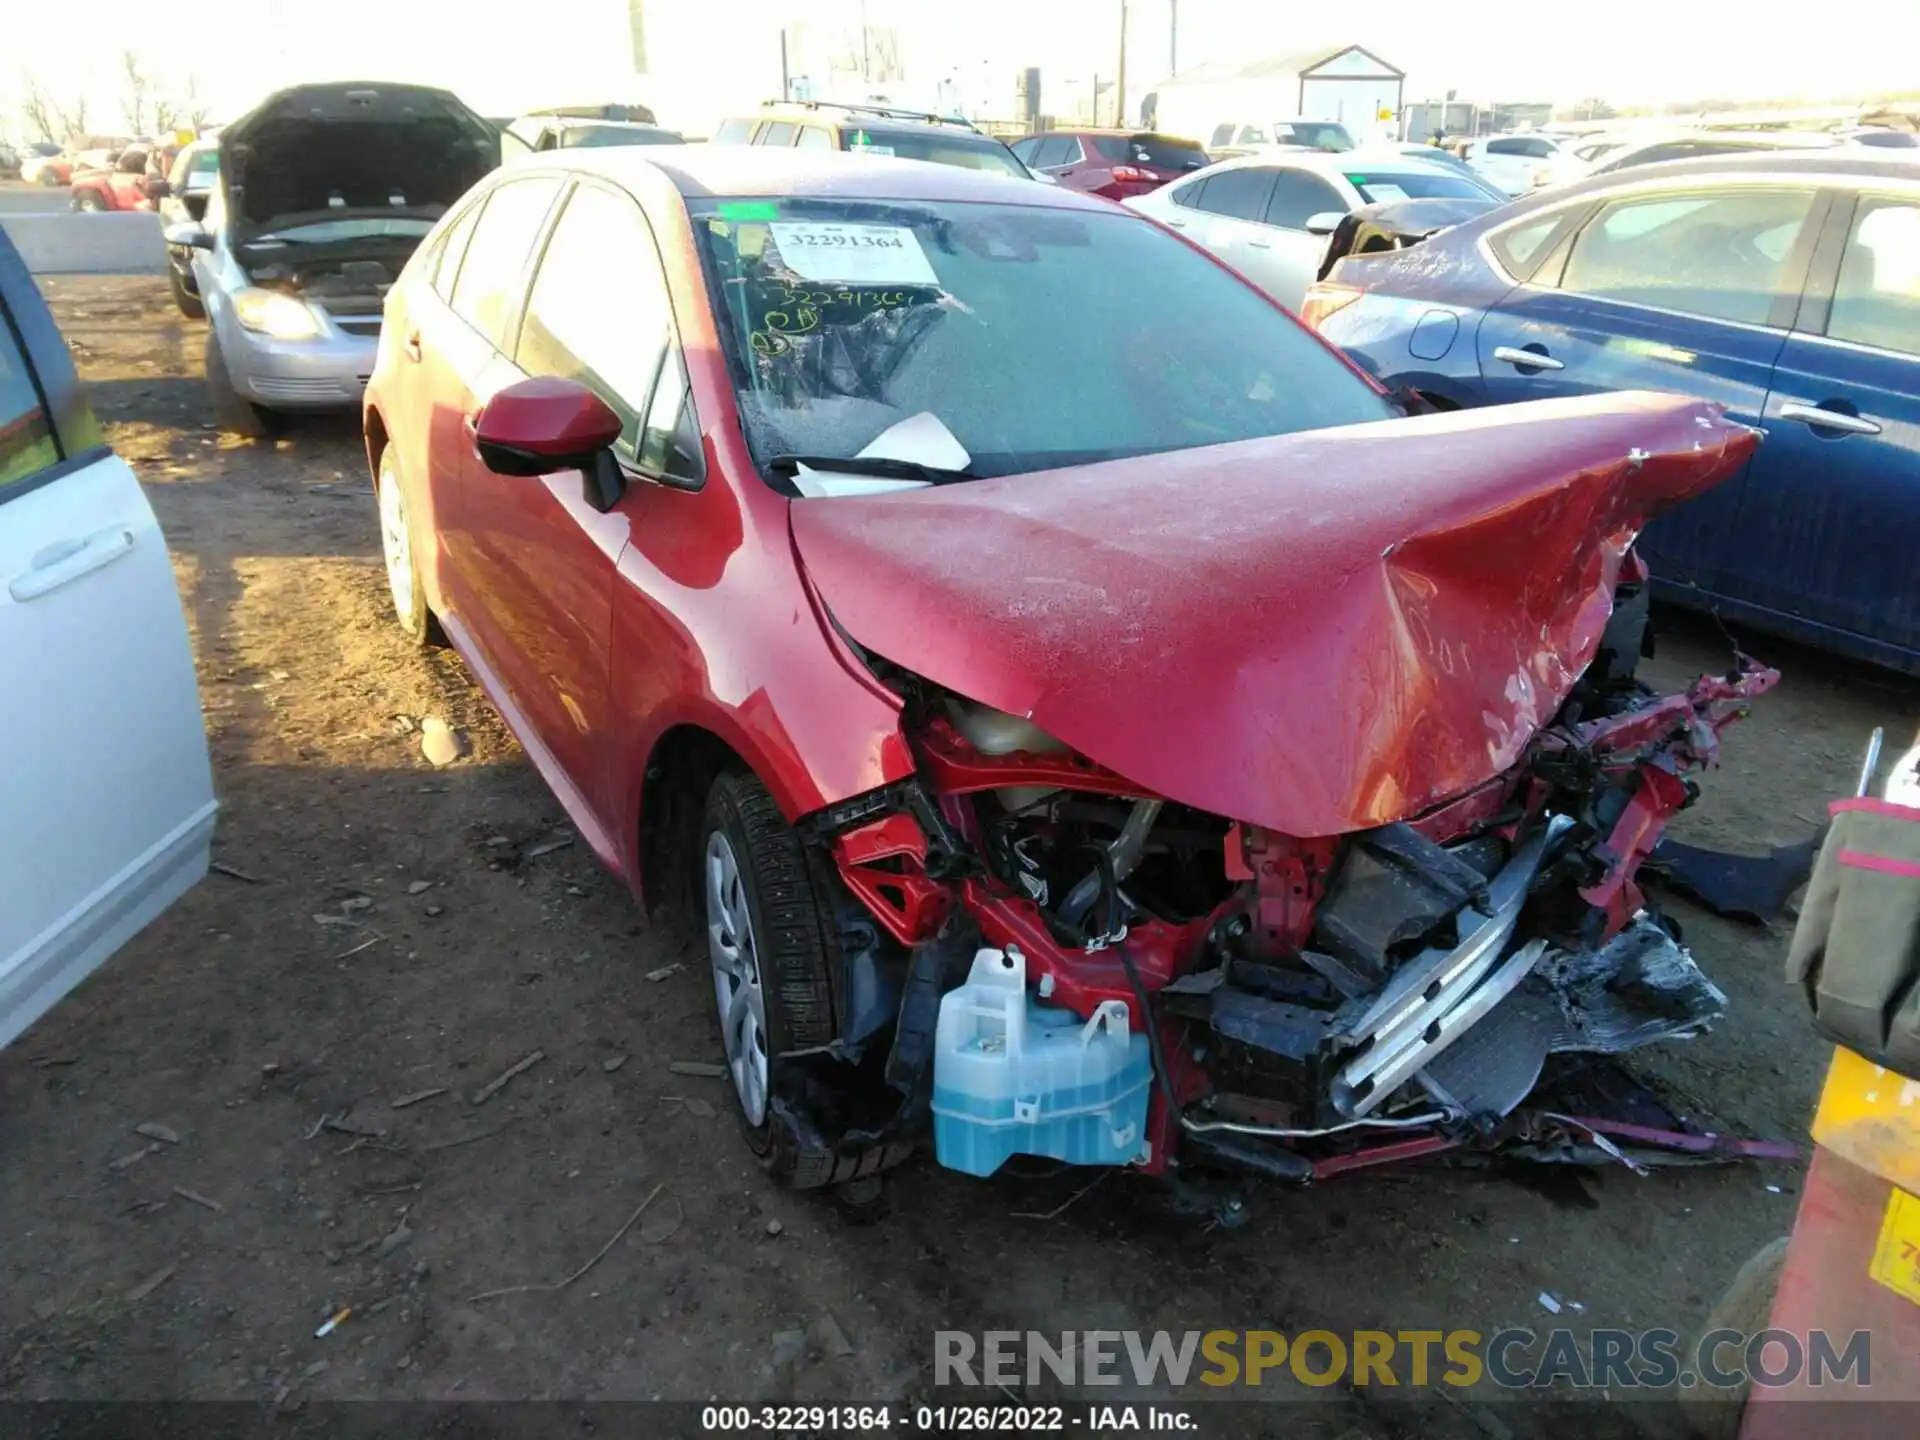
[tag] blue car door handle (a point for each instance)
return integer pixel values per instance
(1822, 418)
(1531, 359)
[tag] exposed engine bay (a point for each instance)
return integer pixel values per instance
(351, 277)
(1315, 1005)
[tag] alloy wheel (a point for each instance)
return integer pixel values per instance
(736, 977)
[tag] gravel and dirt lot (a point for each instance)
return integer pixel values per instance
(386, 930)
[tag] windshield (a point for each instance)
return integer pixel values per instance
(975, 154)
(1377, 187)
(1320, 134)
(841, 319)
(364, 227)
(596, 136)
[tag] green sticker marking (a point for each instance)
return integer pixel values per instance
(739, 210)
(1356, 179)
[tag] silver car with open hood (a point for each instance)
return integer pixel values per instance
(323, 193)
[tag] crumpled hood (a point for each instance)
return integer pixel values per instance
(1315, 633)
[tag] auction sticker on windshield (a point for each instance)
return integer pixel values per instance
(853, 254)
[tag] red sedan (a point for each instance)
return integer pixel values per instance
(1081, 726)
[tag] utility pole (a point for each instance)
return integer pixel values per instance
(1120, 81)
(866, 72)
(1173, 37)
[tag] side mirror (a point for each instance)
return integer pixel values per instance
(1325, 223)
(544, 424)
(189, 235)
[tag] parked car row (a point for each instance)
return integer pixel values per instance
(1409, 260)
(1269, 215)
(673, 443)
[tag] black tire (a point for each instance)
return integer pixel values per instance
(184, 297)
(88, 201)
(794, 947)
(233, 412)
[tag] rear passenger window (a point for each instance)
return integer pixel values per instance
(1521, 247)
(493, 275)
(1026, 149)
(778, 133)
(599, 312)
(1052, 151)
(1721, 256)
(1298, 197)
(453, 247)
(1222, 134)
(1877, 301)
(733, 132)
(26, 440)
(1241, 194)
(1253, 135)
(812, 137)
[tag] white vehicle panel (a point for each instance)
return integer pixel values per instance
(106, 787)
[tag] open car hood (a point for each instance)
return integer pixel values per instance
(1315, 633)
(322, 151)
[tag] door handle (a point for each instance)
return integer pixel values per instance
(411, 347)
(1532, 359)
(65, 562)
(1256, 244)
(1825, 419)
(1176, 224)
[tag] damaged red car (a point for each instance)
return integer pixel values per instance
(1087, 717)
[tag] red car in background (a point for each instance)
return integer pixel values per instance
(1112, 163)
(875, 592)
(135, 179)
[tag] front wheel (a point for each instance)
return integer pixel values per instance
(184, 297)
(770, 941)
(233, 411)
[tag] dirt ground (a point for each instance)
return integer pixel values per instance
(259, 1007)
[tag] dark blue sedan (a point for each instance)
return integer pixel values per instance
(1786, 288)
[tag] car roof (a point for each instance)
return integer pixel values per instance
(723, 171)
(1101, 130)
(1332, 162)
(862, 119)
(1837, 164)
(1773, 139)
(583, 122)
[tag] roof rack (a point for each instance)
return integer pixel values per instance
(890, 112)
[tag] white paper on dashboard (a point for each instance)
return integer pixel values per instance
(853, 254)
(827, 484)
(921, 439)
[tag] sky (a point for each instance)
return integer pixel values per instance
(711, 56)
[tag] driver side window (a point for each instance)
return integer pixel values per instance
(599, 313)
